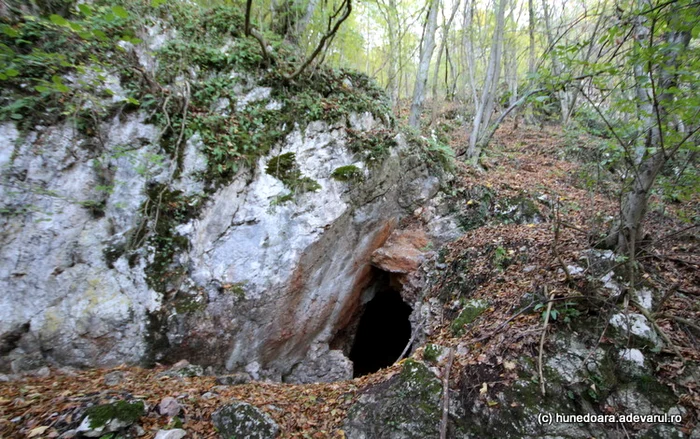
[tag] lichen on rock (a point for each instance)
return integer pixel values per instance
(408, 405)
(240, 419)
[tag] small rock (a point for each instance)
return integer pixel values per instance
(402, 253)
(169, 407)
(644, 297)
(208, 395)
(184, 369)
(233, 379)
(114, 378)
(68, 371)
(42, 372)
(240, 419)
(632, 362)
(180, 364)
(177, 433)
(637, 325)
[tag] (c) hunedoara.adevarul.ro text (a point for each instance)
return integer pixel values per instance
(560, 418)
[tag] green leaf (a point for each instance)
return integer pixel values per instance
(99, 34)
(11, 73)
(62, 88)
(42, 89)
(56, 79)
(57, 19)
(16, 116)
(85, 10)
(156, 3)
(75, 26)
(120, 12)
(132, 101)
(10, 32)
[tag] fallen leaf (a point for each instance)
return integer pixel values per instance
(37, 431)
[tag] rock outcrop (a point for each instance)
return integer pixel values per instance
(408, 405)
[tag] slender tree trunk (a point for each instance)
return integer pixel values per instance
(591, 46)
(443, 48)
(531, 59)
(301, 24)
(556, 65)
(468, 44)
(655, 154)
(426, 54)
(488, 95)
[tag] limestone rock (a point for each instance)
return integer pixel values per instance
(184, 369)
(258, 280)
(108, 418)
(233, 379)
(408, 405)
(169, 407)
(632, 362)
(239, 419)
(636, 325)
(114, 378)
(327, 367)
(402, 253)
(176, 433)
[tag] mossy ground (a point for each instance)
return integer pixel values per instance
(126, 412)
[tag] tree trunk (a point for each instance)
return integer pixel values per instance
(443, 47)
(488, 95)
(426, 54)
(655, 154)
(556, 65)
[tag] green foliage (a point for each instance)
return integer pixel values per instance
(431, 352)
(500, 257)
(51, 67)
(162, 212)
(568, 312)
(373, 146)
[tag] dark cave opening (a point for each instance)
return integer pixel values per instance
(383, 330)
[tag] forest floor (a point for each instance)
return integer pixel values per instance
(530, 161)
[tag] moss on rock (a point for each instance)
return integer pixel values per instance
(472, 310)
(347, 173)
(124, 413)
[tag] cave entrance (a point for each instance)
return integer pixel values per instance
(383, 329)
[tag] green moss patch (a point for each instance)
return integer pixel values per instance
(124, 412)
(347, 173)
(284, 167)
(472, 310)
